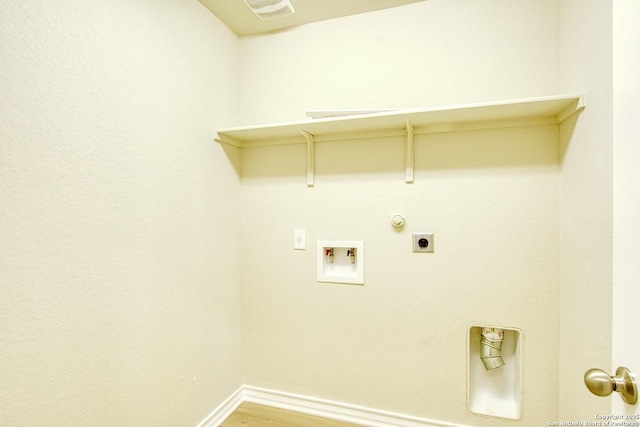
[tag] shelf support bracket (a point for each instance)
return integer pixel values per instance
(409, 153)
(310, 156)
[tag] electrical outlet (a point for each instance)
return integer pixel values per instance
(423, 242)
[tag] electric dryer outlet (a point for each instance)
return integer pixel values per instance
(423, 242)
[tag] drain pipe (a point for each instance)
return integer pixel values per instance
(490, 348)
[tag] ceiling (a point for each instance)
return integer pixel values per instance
(236, 15)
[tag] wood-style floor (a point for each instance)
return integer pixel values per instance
(254, 415)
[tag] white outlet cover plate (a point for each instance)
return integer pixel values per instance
(299, 240)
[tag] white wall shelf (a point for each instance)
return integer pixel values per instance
(406, 122)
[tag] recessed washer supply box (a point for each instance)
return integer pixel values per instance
(341, 261)
(496, 392)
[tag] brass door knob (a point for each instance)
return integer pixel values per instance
(602, 384)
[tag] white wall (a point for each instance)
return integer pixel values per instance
(491, 197)
(118, 216)
(626, 179)
(427, 54)
(119, 255)
(586, 207)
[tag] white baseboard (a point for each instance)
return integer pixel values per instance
(319, 407)
(222, 412)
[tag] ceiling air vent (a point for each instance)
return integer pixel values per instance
(270, 9)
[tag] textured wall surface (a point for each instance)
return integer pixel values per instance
(626, 179)
(119, 256)
(120, 233)
(491, 197)
(426, 54)
(586, 207)
(492, 200)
